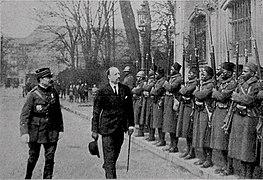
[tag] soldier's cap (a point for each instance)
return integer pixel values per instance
(43, 72)
(251, 66)
(140, 74)
(193, 70)
(127, 69)
(176, 66)
(229, 66)
(160, 70)
(93, 148)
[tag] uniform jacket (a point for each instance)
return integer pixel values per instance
(189, 88)
(174, 84)
(112, 112)
(137, 90)
(149, 84)
(41, 117)
(158, 90)
(129, 81)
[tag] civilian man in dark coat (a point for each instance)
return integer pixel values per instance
(41, 123)
(112, 116)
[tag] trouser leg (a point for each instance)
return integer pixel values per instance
(174, 143)
(50, 149)
(34, 150)
(140, 131)
(243, 170)
(151, 134)
(250, 166)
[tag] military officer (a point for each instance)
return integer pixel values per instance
(128, 78)
(157, 93)
(242, 140)
(137, 102)
(202, 117)
(41, 123)
(170, 114)
(184, 124)
(219, 139)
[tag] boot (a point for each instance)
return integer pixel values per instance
(140, 131)
(250, 166)
(191, 154)
(243, 170)
(174, 143)
(229, 168)
(208, 154)
(48, 169)
(161, 138)
(151, 134)
(187, 149)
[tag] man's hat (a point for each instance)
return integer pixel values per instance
(127, 69)
(251, 66)
(177, 66)
(229, 66)
(140, 74)
(93, 148)
(193, 70)
(43, 72)
(209, 70)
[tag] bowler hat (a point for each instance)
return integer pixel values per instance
(43, 72)
(93, 148)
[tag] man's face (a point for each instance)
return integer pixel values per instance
(191, 75)
(46, 81)
(226, 74)
(246, 73)
(114, 75)
(204, 75)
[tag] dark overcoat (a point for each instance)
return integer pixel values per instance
(222, 96)
(146, 112)
(172, 91)
(186, 108)
(260, 98)
(242, 140)
(137, 101)
(41, 116)
(201, 131)
(112, 112)
(157, 93)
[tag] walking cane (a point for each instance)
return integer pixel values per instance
(129, 148)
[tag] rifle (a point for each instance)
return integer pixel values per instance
(169, 63)
(229, 115)
(147, 66)
(246, 56)
(183, 71)
(227, 50)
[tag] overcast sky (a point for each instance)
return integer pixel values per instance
(17, 16)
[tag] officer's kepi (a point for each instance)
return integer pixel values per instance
(43, 72)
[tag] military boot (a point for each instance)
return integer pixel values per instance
(140, 131)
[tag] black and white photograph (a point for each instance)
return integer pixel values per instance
(131, 89)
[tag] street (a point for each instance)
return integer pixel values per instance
(72, 160)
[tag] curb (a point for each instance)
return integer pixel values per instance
(171, 157)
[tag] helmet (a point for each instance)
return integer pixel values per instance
(127, 69)
(140, 74)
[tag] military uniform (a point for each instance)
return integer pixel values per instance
(41, 118)
(146, 112)
(201, 129)
(172, 88)
(137, 105)
(260, 127)
(129, 81)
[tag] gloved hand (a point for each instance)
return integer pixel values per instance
(25, 138)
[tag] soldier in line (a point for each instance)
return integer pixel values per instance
(202, 117)
(146, 112)
(260, 126)
(157, 93)
(128, 79)
(137, 102)
(242, 140)
(170, 114)
(41, 123)
(185, 120)
(219, 139)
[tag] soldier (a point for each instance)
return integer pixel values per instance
(202, 117)
(157, 93)
(41, 123)
(242, 140)
(172, 88)
(137, 103)
(260, 126)
(128, 79)
(146, 113)
(222, 96)
(184, 124)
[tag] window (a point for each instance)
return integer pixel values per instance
(241, 25)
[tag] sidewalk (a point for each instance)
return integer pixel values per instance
(85, 111)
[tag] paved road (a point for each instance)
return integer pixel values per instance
(72, 159)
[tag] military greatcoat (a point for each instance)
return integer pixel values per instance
(186, 108)
(260, 97)
(242, 140)
(172, 91)
(146, 112)
(41, 116)
(222, 96)
(137, 101)
(203, 95)
(157, 93)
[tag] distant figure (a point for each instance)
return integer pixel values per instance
(112, 116)
(41, 123)
(71, 93)
(128, 79)
(86, 92)
(94, 90)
